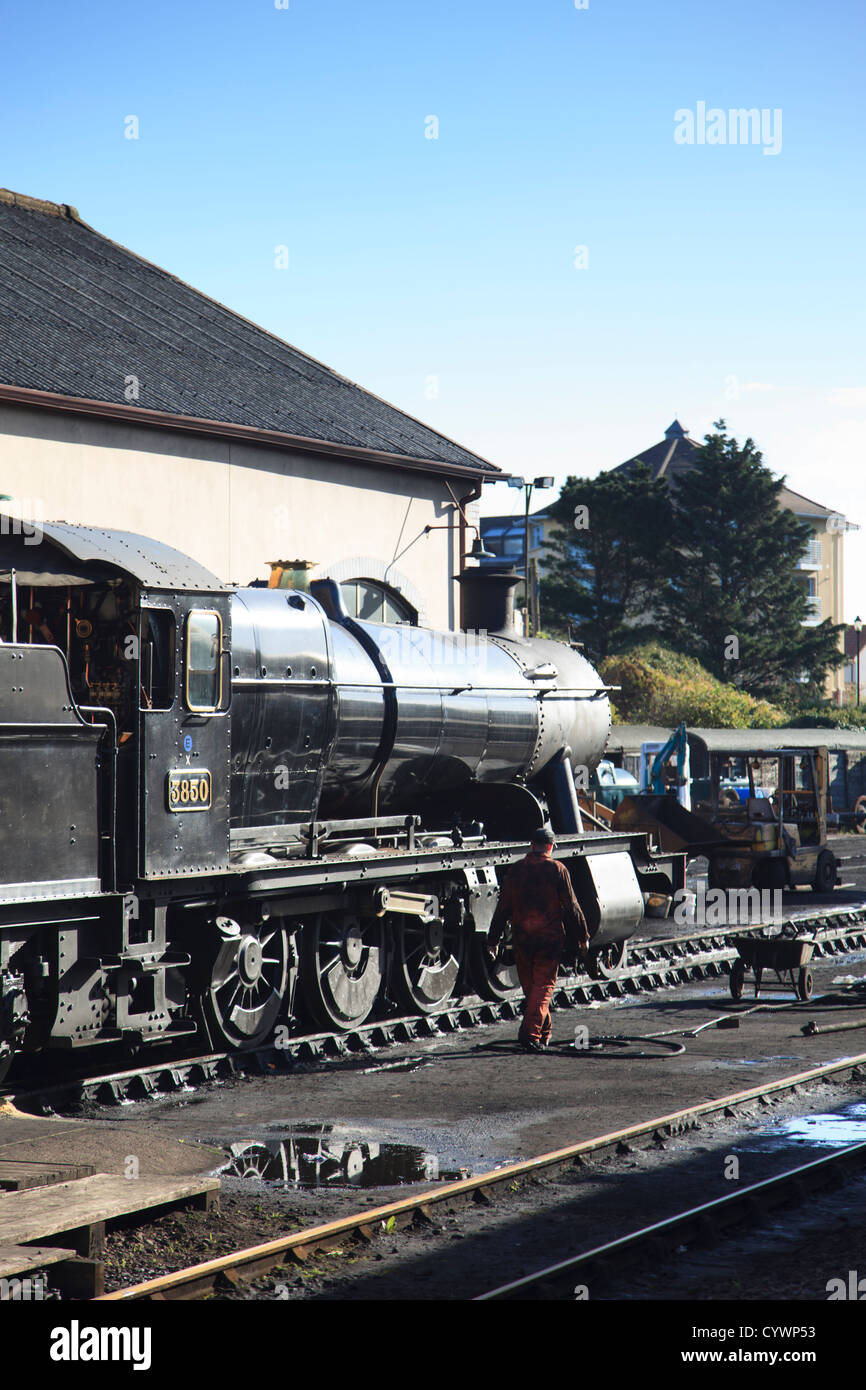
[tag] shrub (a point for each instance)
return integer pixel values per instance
(660, 686)
(831, 717)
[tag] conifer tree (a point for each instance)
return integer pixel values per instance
(733, 599)
(607, 561)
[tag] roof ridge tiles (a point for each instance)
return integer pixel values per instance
(30, 204)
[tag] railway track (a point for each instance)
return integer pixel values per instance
(655, 964)
(244, 1266)
(697, 1225)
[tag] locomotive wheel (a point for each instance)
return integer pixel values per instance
(248, 981)
(427, 959)
(260, 1161)
(341, 968)
(608, 962)
(494, 979)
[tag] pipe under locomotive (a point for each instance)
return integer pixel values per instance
(229, 811)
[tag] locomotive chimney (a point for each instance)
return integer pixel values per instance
(488, 599)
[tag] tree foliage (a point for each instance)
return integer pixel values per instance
(607, 559)
(733, 599)
(829, 716)
(708, 566)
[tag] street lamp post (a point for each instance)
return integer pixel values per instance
(544, 482)
(857, 628)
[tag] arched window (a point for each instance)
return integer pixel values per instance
(373, 602)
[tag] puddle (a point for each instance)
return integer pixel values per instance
(755, 1061)
(826, 1131)
(332, 1156)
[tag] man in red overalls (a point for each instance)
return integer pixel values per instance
(538, 898)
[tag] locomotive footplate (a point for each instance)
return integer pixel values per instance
(608, 870)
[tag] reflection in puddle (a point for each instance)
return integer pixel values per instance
(828, 1131)
(324, 1156)
(756, 1061)
(831, 1131)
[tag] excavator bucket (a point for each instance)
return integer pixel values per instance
(673, 827)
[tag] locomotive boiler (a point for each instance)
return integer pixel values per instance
(222, 810)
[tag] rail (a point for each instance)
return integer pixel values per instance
(243, 1265)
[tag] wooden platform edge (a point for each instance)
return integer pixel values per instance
(72, 1276)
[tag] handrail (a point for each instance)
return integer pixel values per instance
(108, 840)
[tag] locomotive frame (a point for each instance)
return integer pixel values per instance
(317, 833)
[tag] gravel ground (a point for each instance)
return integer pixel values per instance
(462, 1252)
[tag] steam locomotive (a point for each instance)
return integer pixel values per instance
(224, 808)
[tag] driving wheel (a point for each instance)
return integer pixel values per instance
(493, 976)
(427, 959)
(247, 981)
(341, 968)
(606, 963)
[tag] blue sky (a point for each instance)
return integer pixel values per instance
(440, 273)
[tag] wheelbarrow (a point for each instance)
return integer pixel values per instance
(787, 955)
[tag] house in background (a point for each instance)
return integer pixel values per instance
(819, 571)
(131, 401)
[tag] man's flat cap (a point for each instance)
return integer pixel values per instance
(543, 837)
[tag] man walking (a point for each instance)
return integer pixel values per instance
(538, 899)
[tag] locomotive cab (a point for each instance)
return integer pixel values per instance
(123, 652)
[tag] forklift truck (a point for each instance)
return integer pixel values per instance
(770, 841)
(775, 841)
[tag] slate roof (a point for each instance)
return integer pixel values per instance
(79, 314)
(671, 457)
(675, 455)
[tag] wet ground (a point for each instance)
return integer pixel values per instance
(302, 1148)
(460, 1254)
(472, 1100)
(301, 1145)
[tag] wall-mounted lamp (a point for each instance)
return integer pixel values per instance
(478, 551)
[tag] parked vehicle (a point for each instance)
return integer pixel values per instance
(609, 784)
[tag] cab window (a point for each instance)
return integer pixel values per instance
(203, 663)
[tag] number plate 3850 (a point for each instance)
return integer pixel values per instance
(188, 789)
